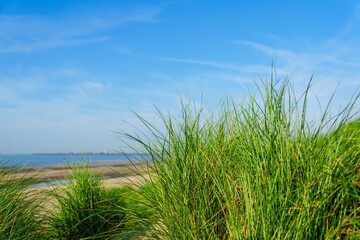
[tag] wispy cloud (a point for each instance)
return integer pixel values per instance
(204, 63)
(33, 32)
(328, 55)
(39, 109)
(267, 49)
(289, 56)
(48, 44)
(353, 21)
(332, 71)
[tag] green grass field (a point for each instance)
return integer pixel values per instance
(252, 170)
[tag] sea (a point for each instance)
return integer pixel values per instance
(38, 160)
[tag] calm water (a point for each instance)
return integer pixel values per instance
(60, 159)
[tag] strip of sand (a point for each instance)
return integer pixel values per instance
(133, 181)
(113, 173)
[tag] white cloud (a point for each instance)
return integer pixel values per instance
(41, 113)
(47, 44)
(26, 33)
(94, 85)
(267, 49)
(353, 21)
(204, 63)
(333, 71)
(327, 55)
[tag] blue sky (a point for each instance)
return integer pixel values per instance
(72, 72)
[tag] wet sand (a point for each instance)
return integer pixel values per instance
(113, 173)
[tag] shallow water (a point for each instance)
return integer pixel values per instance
(35, 160)
(65, 181)
(46, 184)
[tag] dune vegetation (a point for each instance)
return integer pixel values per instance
(19, 209)
(259, 169)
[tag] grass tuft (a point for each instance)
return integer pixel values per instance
(255, 170)
(85, 209)
(19, 209)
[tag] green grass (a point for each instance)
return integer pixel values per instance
(85, 209)
(255, 170)
(139, 213)
(82, 209)
(252, 170)
(19, 209)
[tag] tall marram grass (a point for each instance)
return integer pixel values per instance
(256, 170)
(84, 209)
(20, 216)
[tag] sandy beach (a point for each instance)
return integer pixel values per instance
(113, 174)
(48, 178)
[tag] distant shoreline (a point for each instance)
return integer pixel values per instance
(86, 153)
(43, 159)
(51, 173)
